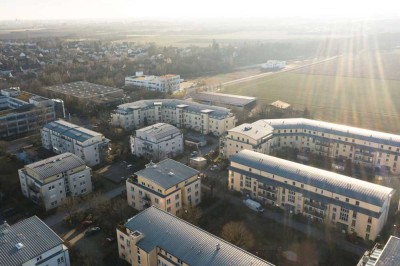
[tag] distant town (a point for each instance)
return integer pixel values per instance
(135, 153)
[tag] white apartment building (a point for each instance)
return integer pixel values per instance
(157, 142)
(155, 237)
(246, 136)
(61, 136)
(165, 83)
(362, 146)
(182, 114)
(31, 242)
(340, 201)
(168, 185)
(50, 181)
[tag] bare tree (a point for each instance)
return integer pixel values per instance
(69, 205)
(191, 214)
(238, 234)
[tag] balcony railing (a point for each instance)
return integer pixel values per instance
(270, 197)
(315, 205)
(269, 189)
(314, 213)
(323, 144)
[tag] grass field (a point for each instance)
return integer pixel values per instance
(367, 103)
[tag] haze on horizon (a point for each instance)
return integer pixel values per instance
(205, 9)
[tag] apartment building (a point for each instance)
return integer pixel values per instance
(362, 146)
(155, 237)
(157, 142)
(169, 185)
(50, 181)
(344, 202)
(61, 136)
(165, 83)
(246, 136)
(182, 114)
(22, 112)
(387, 255)
(31, 242)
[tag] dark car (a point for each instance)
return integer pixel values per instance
(92, 230)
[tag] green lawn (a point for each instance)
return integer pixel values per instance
(367, 103)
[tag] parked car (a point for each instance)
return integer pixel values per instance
(254, 205)
(92, 230)
(129, 166)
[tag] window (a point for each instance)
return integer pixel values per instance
(369, 219)
(353, 223)
(177, 196)
(347, 199)
(60, 260)
(344, 214)
(168, 201)
(38, 258)
(189, 190)
(156, 200)
(357, 203)
(177, 205)
(368, 228)
(354, 214)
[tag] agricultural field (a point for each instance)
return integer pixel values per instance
(361, 102)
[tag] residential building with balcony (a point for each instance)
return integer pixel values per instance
(182, 114)
(168, 185)
(343, 202)
(50, 181)
(155, 237)
(157, 142)
(166, 83)
(246, 136)
(61, 136)
(387, 255)
(31, 242)
(362, 146)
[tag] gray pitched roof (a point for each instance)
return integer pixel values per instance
(55, 165)
(35, 236)
(391, 253)
(167, 173)
(326, 180)
(71, 130)
(189, 243)
(159, 130)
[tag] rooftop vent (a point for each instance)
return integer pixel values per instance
(19, 246)
(218, 247)
(170, 174)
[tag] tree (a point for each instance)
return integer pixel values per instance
(238, 234)
(306, 113)
(69, 205)
(190, 214)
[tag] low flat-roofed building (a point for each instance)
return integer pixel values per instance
(157, 142)
(61, 136)
(388, 255)
(182, 114)
(48, 182)
(280, 105)
(31, 242)
(169, 185)
(344, 202)
(225, 100)
(155, 237)
(22, 112)
(83, 91)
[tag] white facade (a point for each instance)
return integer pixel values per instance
(273, 64)
(182, 114)
(56, 256)
(166, 83)
(362, 146)
(157, 142)
(346, 203)
(50, 181)
(61, 136)
(168, 185)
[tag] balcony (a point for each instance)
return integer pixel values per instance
(267, 196)
(317, 214)
(323, 144)
(317, 205)
(35, 189)
(269, 189)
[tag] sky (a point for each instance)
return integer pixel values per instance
(181, 9)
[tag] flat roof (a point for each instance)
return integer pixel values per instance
(325, 180)
(71, 130)
(218, 112)
(331, 128)
(187, 242)
(253, 131)
(159, 130)
(55, 165)
(280, 104)
(34, 235)
(223, 98)
(167, 173)
(83, 89)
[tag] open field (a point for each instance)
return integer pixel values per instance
(371, 64)
(367, 103)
